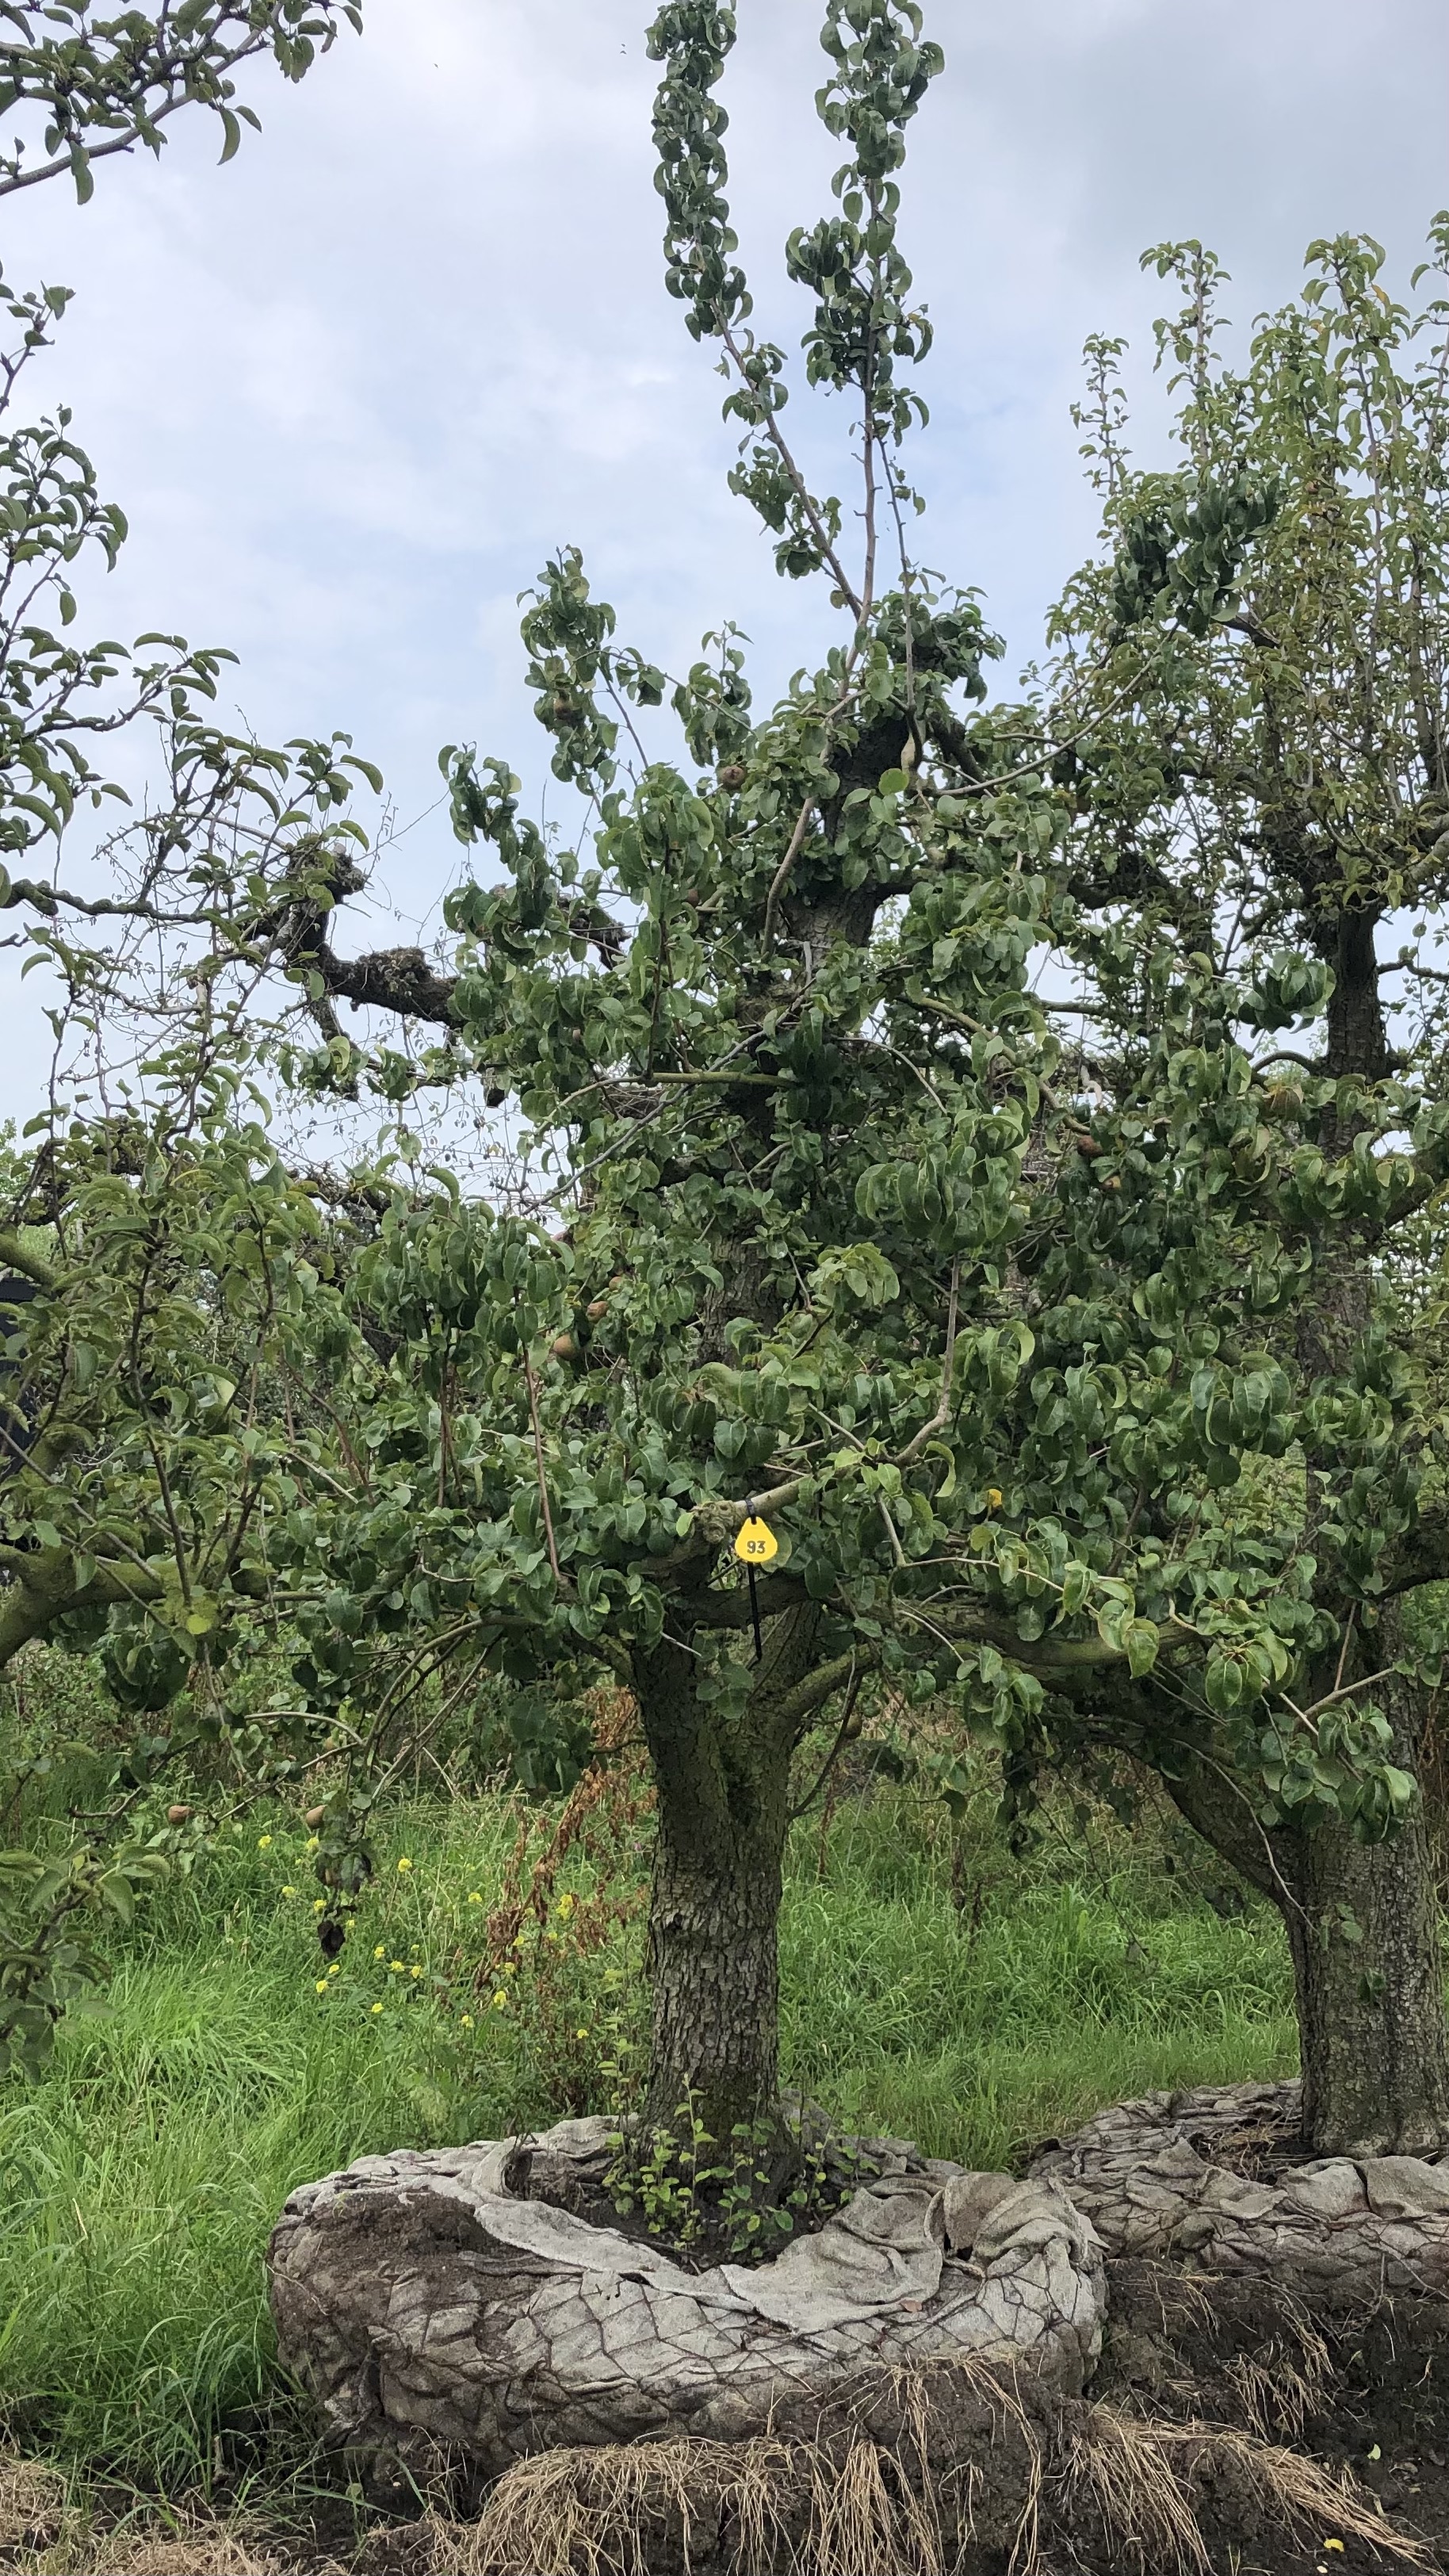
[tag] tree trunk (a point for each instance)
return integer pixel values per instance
(723, 1796)
(1365, 1943)
(1362, 1921)
(713, 1966)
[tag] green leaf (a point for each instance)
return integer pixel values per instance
(1223, 1683)
(114, 1891)
(1142, 1638)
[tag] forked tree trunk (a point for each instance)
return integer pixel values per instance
(723, 1796)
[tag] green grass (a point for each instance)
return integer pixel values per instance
(141, 2176)
(1068, 1996)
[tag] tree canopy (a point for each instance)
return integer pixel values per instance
(103, 85)
(139, 1227)
(907, 1153)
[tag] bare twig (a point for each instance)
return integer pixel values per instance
(781, 876)
(942, 1414)
(542, 1478)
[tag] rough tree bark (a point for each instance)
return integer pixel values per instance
(1362, 1925)
(723, 1786)
(1364, 1936)
(1361, 1918)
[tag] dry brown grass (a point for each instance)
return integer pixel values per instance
(851, 2506)
(864, 2519)
(32, 2504)
(1144, 2481)
(43, 2533)
(1116, 2466)
(1300, 2491)
(205, 2549)
(594, 2512)
(1280, 2392)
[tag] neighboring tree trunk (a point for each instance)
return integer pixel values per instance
(1362, 1921)
(1370, 2008)
(723, 1786)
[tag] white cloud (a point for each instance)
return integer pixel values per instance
(353, 387)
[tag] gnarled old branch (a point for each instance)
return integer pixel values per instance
(389, 979)
(404, 980)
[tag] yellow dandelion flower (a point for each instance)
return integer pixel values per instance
(465, 2021)
(509, 1968)
(380, 1950)
(500, 1999)
(264, 1842)
(581, 2034)
(312, 1843)
(395, 1967)
(415, 1970)
(994, 1497)
(335, 1969)
(377, 2008)
(289, 1891)
(321, 1985)
(319, 1904)
(404, 1864)
(566, 1904)
(473, 1896)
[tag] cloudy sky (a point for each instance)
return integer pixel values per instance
(351, 389)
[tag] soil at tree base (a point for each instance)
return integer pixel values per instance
(1375, 2398)
(1365, 2390)
(824, 2181)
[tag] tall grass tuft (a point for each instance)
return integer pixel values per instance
(142, 2175)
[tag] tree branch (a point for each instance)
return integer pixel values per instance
(717, 1610)
(942, 1414)
(400, 980)
(781, 877)
(16, 1256)
(817, 1687)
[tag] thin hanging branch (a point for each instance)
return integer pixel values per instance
(942, 1414)
(782, 874)
(532, 1386)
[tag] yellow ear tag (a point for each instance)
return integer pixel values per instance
(756, 1544)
